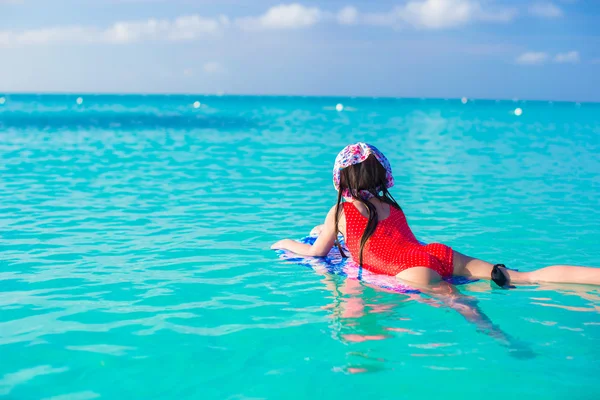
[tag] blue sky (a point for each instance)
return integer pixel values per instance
(526, 49)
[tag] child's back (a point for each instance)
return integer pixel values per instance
(393, 247)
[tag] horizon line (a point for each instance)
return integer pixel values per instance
(331, 96)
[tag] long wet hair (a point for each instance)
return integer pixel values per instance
(369, 176)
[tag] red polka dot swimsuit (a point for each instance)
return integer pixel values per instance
(393, 247)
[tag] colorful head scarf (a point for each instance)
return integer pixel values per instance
(354, 154)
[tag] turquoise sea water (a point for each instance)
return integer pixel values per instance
(135, 261)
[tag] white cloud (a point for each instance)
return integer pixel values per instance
(128, 32)
(188, 27)
(283, 16)
(571, 57)
(438, 14)
(212, 67)
(420, 14)
(347, 16)
(539, 57)
(532, 58)
(545, 10)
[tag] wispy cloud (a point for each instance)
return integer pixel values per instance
(532, 58)
(188, 27)
(545, 10)
(437, 14)
(540, 57)
(284, 16)
(180, 29)
(417, 14)
(571, 57)
(347, 16)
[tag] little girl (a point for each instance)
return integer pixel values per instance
(380, 240)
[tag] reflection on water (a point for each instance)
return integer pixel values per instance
(358, 316)
(361, 314)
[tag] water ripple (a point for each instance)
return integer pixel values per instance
(134, 236)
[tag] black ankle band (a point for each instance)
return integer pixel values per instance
(498, 275)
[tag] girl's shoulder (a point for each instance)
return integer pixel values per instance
(340, 208)
(332, 211)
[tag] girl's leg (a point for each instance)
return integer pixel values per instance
(479, 269)
(419, 276)
(567, 274)
(472, 267)
(423, 274)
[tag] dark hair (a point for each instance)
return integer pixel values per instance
(369, 176)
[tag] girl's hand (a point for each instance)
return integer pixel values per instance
(316, 231)
(322, 245)
(281, 245)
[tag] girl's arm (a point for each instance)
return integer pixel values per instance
(322, 245)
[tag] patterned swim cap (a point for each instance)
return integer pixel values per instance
(354, 154)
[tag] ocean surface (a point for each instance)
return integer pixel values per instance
(135, 261)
